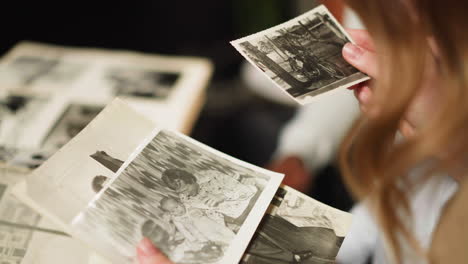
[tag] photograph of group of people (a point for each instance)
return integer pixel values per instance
(185, 198)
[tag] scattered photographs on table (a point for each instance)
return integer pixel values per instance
(303, 55)
(28, 70)
(185, 198)
(62, 187)
(16, 113)
(23, 158)
(74, 119)
(297, 229)
(142, 82)
(14, 240)
(26, 237)
(22, 108)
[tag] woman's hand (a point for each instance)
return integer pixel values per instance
(362, 55)
(147, 253)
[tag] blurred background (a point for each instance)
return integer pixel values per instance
(237, 118)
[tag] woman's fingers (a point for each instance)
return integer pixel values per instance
(362, 38)
(363, 93)
(149, 254)
(361, 58)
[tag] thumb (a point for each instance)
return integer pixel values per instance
(361, 58)
(149, 254)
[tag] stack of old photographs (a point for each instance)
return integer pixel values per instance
(303, 56)
(27, 237)
(49, 93)
(124, 178)
(123, 172)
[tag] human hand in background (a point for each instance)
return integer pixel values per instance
(147, 253)
(296, 174)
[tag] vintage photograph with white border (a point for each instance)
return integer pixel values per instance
(26, 237)
(63, 186)
(298, 229)
(196, 204)
(113, 143)
(303, 56)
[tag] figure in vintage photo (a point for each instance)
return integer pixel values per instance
(197, 225)
(141, 82)
(225, 194)
(303, 56)
(279, 240)
(200, 199)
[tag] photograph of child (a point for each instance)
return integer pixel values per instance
(201, 199)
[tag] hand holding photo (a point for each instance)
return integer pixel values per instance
(122, 178)
(192, 202)
(303, 56)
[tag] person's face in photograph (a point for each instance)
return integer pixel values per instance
(182, 187)
(173, 207)
(154, 232)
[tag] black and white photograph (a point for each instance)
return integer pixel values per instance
(192, 202)
(65, 183)
(74, 119)
(14, 241)
(151, 83)
(17, 113)
(303, 56)
(23, 159)
(26, 71)
(146, 83)
(26, 237)
(297, 229)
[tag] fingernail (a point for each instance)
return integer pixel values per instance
(147, 247)
(352, 51)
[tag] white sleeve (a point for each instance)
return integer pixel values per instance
(316, 131)
(361, 240)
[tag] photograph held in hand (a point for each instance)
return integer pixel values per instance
(193, 203)
(303, 56)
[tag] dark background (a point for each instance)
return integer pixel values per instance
(200, 28)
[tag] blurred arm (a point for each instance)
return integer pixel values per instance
(317, 130)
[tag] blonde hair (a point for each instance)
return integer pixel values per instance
(407, 34)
